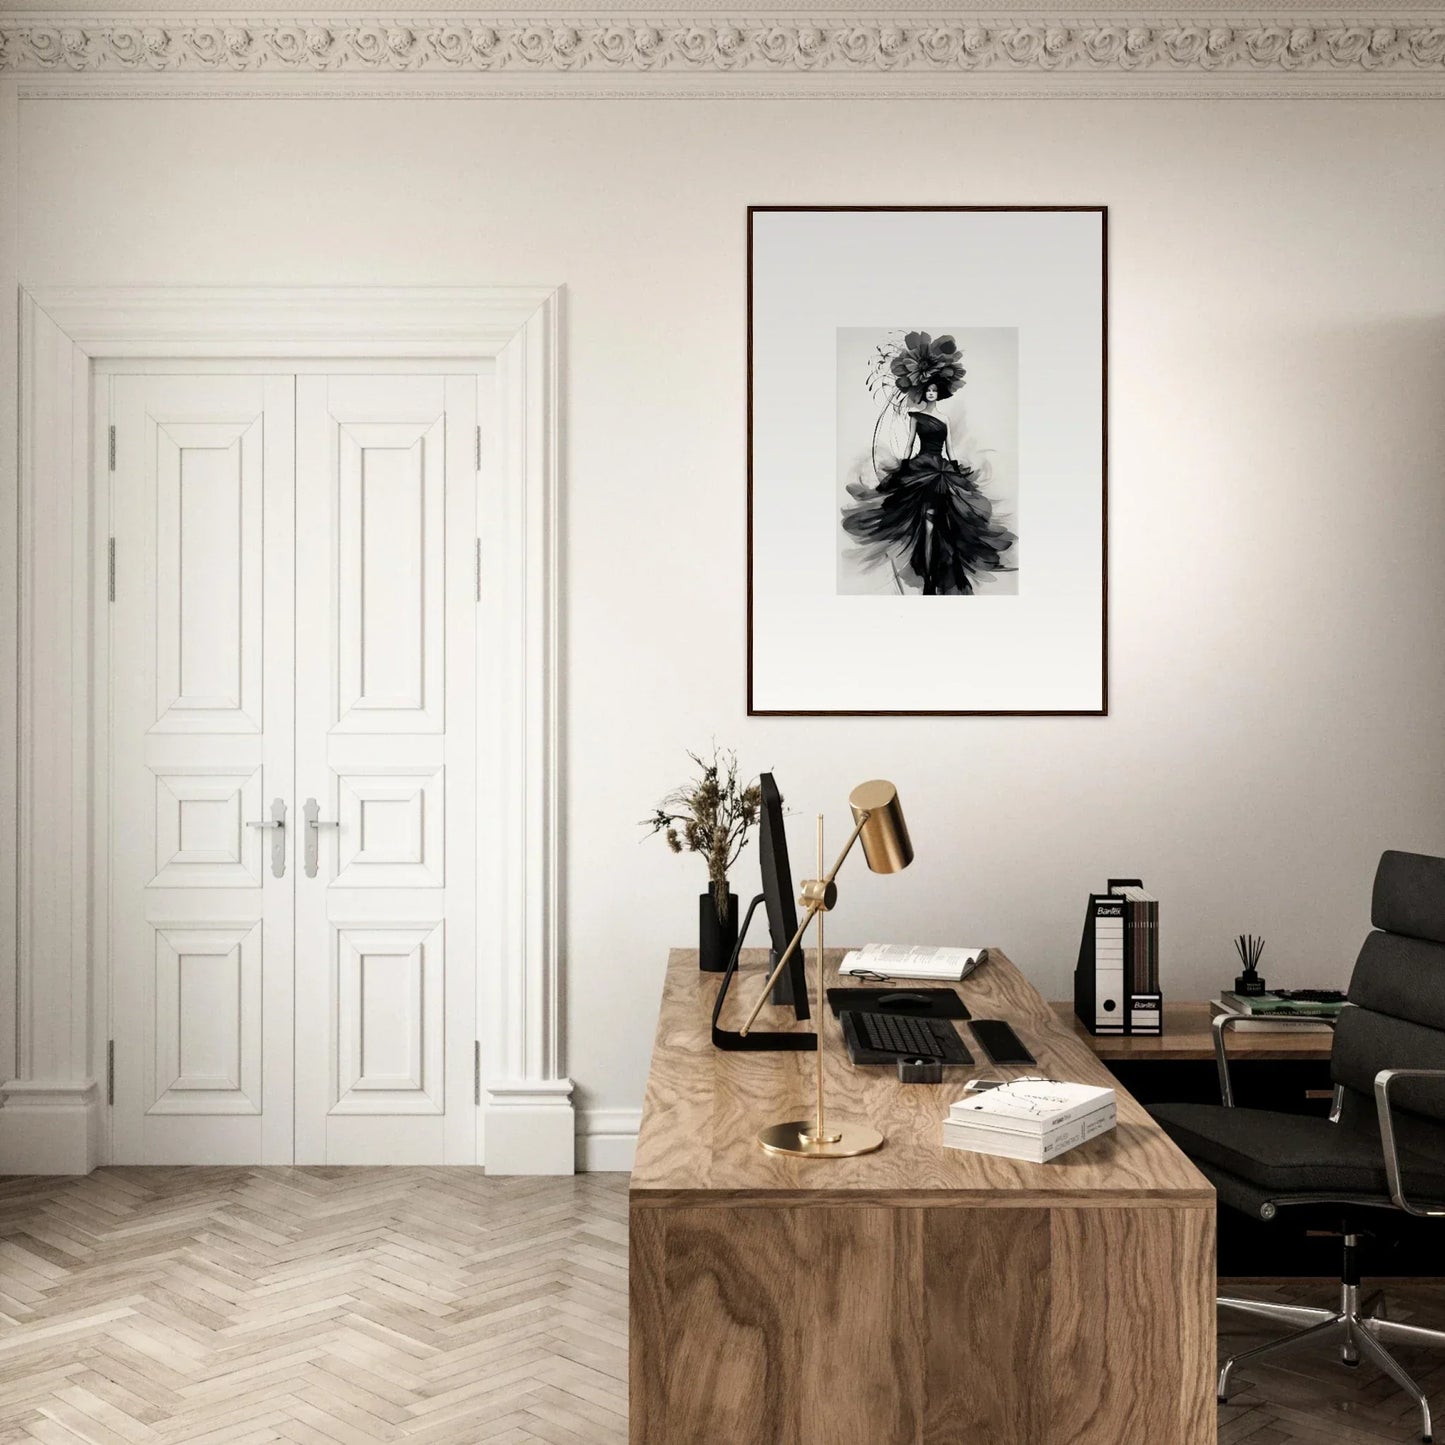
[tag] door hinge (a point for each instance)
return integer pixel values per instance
(110, 569)
(479, 450)
(110, 1072)
(477, 1072)
(112, 448)
(479, 569)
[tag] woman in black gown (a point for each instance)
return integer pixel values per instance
(927, 516)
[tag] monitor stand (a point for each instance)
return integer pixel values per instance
(757, 1040)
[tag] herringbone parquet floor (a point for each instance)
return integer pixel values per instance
(317, 1306)
(349, 1306)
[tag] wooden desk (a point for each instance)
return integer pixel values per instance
(1187, 1036)
(919, 1294)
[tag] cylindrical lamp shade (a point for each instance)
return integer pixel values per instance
(885, 840)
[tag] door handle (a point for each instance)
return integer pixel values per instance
(277, 822)
(314, 825)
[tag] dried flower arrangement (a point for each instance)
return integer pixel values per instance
(711, 815)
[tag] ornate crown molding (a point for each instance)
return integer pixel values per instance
(1176, 48)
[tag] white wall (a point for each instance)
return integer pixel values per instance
(1277, 508)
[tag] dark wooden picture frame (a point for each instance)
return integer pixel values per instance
(1103, 698)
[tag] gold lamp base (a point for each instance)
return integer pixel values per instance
(842, 1141)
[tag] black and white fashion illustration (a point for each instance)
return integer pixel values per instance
(921, 519)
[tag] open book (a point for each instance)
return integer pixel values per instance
(899, 960)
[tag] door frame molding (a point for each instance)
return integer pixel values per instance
(51, 1117)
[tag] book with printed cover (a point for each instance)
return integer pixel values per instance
(1032, 1119)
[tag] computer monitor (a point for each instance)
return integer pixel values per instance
(791, 987)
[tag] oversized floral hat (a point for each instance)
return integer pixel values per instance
(924, 362)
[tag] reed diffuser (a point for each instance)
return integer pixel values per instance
(1249, 948)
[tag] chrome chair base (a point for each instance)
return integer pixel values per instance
(1359, 1328)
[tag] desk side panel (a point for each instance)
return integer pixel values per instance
(784, 1326)
(857, 1325)
(1132, 1327)
(647, 1323)
(985, 1304)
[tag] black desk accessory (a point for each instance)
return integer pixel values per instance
(777, 897)
(875, 1038)
(1000, 1042)
(923, 1003)
(1249, 983)
(755, 1040)
(919, 1071)
(792, 985)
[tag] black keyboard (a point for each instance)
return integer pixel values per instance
(899, 1036)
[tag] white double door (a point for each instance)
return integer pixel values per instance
(293, 642)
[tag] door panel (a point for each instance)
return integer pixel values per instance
(391, 574)
(385, 727)
(201, 742)
(294, 621)
(201, 836)
(393, 822)
(208, 514)
(391, 1033)
(208, 1020)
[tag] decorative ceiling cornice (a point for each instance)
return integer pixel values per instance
(1408, 50)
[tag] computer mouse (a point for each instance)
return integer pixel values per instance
(902, 1000)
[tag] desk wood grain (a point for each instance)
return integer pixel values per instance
(704, 1108)
(1187, 1037)
(919, 1295)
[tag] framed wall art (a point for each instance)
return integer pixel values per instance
(927, 460)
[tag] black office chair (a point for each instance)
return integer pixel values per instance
(1381, 1151)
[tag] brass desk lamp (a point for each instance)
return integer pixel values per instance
(878, 822)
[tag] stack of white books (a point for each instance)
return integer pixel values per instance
(1034, 1119)
(900, 960)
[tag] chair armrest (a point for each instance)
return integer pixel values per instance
(1221, 1025)
(1383, 1080)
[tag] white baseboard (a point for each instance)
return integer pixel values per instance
(56, 1130)
(531, 1128)
(607, 1140)
(49, 1128)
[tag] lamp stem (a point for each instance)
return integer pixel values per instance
(817, 1133)
(820, 1133)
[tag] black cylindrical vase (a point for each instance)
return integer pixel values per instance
(716, 937)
